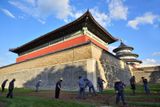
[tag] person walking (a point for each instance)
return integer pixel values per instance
(3, 85)
(89, 84)
(100, 82)
(119, 89)
(38, 84)
(145, 85)
(133, 84)
(81, 84)
(58, 88)
(10, 89)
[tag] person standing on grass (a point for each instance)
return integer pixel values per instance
(38, 84)
(10, 89)
(89, 84)
(100, 82)
(3, 85)
(81, 84)
(119, 89)
(145, 85)
(58, 88)
(133, 84)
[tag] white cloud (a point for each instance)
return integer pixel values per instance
(21, 17)
(101, 17)
(156, 54)
(41, 9)
(41, 21)
(32, 2)
(111, 48)
(77, 14)
(149, 61)
(22, 7)
(8, 13)
(117, 10)
(147, 18)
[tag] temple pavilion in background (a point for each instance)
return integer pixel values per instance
(124, 52)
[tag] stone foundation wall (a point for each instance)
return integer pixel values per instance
(68, 64)
(110, 67)
(50, 75)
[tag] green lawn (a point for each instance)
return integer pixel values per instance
(154, 88)
(23, 98)
(144, 104)
(20, 101)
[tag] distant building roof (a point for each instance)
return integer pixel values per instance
(86, 20)
(127, 54)
(122, 46)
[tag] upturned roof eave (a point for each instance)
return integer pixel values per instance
(132, 60)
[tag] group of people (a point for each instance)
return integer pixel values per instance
(84, 83)
(119, 88)
(10, 87)
(145, 85)
(57, 88)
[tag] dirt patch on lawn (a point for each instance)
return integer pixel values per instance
(2, 104)
(98, 100)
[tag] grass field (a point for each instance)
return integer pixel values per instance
(29, 98)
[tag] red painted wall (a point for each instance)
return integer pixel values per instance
(58, 46)
(98, 44)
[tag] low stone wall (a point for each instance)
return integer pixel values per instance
(152, 76)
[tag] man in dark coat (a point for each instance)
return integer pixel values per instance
(89, 84)
(58, 88)
(38, 84)
(3, 85)
(145, 85)
(10, 89)
(119, 88)
(133, 84)
(100, 82)
(81, 84)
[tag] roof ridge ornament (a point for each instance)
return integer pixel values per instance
(84, 30)
(121, 40)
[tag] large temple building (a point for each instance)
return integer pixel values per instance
(79, 48)
(77, 32)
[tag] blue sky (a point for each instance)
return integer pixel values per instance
(136, 22)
